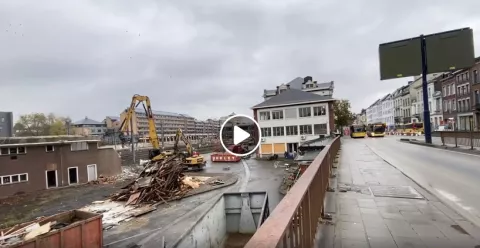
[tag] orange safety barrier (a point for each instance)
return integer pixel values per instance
(224, 158)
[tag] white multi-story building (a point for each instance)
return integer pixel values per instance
(387, 111)
(382, 111)
(89, 127)
(291, 118)
(305, 84)
(374, 112)
(416, 96)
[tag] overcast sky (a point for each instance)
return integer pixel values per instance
(204, 58)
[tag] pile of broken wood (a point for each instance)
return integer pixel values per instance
(158, 182)
(11, 237)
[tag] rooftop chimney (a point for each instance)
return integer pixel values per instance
(307, 78)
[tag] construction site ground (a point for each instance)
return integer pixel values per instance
(26, 207)
(172, 220)
(169, 220)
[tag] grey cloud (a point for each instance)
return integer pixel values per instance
(205, 58)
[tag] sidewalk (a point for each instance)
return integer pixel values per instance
(405, 216)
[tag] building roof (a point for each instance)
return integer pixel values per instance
(164, 113)
(385, 97)
(35, 140)
(374, 103)
(297, 83)
(292, 96)
(113, 117)
(87, 121)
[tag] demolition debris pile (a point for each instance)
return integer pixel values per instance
(158, 182)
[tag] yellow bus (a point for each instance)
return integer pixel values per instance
(376, 130)
(358, 131)
(416, 127)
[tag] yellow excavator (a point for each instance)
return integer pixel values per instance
(155, 154)
(192, 161)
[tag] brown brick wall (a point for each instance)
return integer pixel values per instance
(36, 161)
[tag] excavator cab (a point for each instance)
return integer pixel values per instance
(192, 161)
(154, 153)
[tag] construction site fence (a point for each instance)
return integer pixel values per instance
(460, 138)
(294, 222)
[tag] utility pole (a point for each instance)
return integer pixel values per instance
(131, 139)
(426, 109)
(163, 132)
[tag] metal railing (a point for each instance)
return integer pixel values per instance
(462, 138)
(294, 222)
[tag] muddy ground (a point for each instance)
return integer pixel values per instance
(26, 207)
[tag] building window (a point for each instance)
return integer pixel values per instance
(277, 115)
(16, 178)
(305, 129)
(477, 97)
(79, 146)
(305, 112)
(49, 148)
(266, 132)
(292, 130)
(475, 77)
(320, 128)
(264, 116)
(290, 113)
(319, 110)
(13, 150)
(278, 131)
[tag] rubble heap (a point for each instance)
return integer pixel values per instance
(158, 182)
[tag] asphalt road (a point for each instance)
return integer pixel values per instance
(453, 177)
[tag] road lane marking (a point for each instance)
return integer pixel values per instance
(454, 199)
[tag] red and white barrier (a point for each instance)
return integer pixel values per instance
(224, 158)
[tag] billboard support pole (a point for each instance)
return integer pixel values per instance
(426, 109)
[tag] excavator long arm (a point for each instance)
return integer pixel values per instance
(152, 131)
(179, 136)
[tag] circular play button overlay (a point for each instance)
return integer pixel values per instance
(240, 135)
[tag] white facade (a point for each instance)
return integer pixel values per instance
(436, 115)
(416, 96)
(374, 112)
(284, 128)
(388, 111)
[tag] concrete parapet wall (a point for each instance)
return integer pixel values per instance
(210, 230)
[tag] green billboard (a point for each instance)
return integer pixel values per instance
(449, 51)
(400, 59)
(446, 51)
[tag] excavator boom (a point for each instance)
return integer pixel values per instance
(152, 131)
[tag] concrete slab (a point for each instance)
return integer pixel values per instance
(366, 220)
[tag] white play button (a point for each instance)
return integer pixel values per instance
(239, 135)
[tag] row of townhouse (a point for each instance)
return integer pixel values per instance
(381, 111)
(453, 98)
